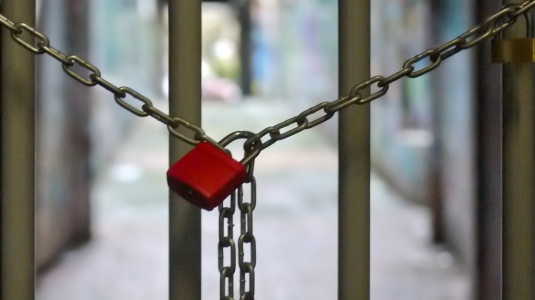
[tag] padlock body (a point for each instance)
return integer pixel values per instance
(513, 50)
(205, 176)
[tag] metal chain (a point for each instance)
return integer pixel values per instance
(226, 220)
(226, 240)
(490, 27)
(247, 275)
(89, 75)
(247, 267)
(253, 145)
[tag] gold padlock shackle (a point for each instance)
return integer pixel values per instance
(530, 30)
(515, 50)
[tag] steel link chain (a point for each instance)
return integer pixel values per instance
(247, 267)
(226, 220)
(75, 66)
(254, 143)
(490, 27)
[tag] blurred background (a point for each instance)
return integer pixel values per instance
(102, 197)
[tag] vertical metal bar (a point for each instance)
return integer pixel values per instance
(246, 47)
(518, 177)
(17, 113)
(184, 101)
(487, 284)
(354, 154)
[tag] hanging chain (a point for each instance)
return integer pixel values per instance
(247, 267)
(226, 220)
(226, 240)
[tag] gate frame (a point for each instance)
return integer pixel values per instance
(354, 150)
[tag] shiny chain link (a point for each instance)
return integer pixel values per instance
(89, 75)
(226, 220)
(247, 267)
(431, 58)
(490, 27)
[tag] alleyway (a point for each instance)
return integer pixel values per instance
(295, 224)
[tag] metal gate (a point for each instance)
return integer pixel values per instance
(354, 256)
(17, 151)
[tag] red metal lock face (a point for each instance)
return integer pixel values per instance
(206, 176)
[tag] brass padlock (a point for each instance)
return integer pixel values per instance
(515, 50)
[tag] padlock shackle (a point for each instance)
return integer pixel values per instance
(529, 24)
(530, 30)
(250, 154)
(236, 135)
(205, 138)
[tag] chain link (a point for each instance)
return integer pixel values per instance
(247, 267)
(490, 27)
(226, 220)
(89, 75)
(246, 244)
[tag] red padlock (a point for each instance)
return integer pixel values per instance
(206, 176)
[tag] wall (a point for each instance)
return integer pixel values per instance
(62, 140)
(456, 105)
(401, 121)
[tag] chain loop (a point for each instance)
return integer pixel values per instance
(124, 91)
(176, 124)
(8, 24)
(524, 8)
(69, 63)
(379, 80)
(67, 67)
(431, 54)
(448, 49)
(247, 268)
(341, 103)
(56, 54)
(226, 216)
(115, 90)
(322, 106)
(39, 38)
(396, 76)
(159, 115)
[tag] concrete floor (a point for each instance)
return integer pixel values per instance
(295, 225)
